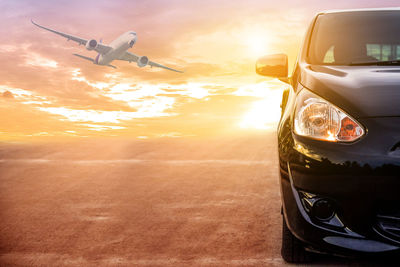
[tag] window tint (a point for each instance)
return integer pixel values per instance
(360, 36)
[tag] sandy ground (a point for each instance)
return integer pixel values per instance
(164, 202)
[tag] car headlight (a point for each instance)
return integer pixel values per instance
(317, 118)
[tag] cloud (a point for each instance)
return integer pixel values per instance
(97, 127)
(37, 60)
(99, 115)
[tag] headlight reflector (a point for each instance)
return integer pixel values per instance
(319, 119)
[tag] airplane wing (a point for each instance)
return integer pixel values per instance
(101, 48)
(128, 56)
(154, 64)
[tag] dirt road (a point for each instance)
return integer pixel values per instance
(164, 202)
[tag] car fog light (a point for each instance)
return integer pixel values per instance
(323, 209)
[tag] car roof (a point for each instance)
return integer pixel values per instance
(359, 10)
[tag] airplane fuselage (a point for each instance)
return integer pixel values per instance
(119, 47)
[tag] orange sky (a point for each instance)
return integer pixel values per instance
(46, 92)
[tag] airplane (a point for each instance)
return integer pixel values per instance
(117, 50)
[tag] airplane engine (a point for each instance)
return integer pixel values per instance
(142, 61)
(91, 44)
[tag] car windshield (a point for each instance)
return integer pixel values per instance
(351, 38)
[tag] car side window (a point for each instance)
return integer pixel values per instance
(329, 57)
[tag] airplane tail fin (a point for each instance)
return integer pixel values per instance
(94, 61)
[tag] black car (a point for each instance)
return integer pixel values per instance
(339, 136)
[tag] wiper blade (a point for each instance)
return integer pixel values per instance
(376, 63)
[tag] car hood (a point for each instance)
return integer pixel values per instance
(361, 91)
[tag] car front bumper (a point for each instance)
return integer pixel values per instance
(361, 181)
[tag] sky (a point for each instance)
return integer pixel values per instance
(47, 93)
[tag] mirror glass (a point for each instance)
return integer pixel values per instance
(273, 66)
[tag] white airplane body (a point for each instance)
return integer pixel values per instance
(116, 50)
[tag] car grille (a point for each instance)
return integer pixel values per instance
(389, 224)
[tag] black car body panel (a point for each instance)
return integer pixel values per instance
(362, 91)
(360, 179)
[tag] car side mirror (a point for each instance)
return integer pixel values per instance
(273, 66)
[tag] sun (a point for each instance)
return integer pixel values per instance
(257, 44)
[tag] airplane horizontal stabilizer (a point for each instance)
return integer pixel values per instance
(92, 60)
(87, 58)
